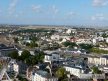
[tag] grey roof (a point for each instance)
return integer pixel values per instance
(105, 56)
(73, 66)
(42, 73)
(4, 47)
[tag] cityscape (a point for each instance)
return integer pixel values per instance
(58, 40)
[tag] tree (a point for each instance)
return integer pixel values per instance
(99, 51)
(37, 58)
(31, 60)
(33, 44)
(96, 70)
(15, 39)
(104, 35)
(25, 54)
(14, 54)
(61, 73)
(70, 44)
(86, 46)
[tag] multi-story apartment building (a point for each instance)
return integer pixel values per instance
(43, 76)
(102, 60)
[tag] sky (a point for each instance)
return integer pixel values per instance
(54, 12)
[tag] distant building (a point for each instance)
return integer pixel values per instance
(69, 31)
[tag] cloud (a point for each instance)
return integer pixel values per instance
(36, 8)
(12, 6)
(98, 3)
(100, 17)
(54, 9)
(71, 14)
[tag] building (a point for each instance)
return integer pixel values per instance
(74, 70)
(102, 60)
(22, 67)
(4, 50)
(29, 72)
(69, 31)
(94, 60)
(52, 57)
(42, 76)
(13, 66)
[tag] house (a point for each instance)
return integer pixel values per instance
(69, 31)
(4, 50)
(98, 60)
(72, 51)
(94, 60)
(74, 70)
(51, 57)
(13, 66)
(29, 72)
(40, 75)
(85, 41)
(22, 67)
(104, 60)
(55, 37)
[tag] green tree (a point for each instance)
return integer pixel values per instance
(33, 44)
(14, 54)
(104, 35)
(61, 74)
(96, 70)
(70, 44)
(35, 59)
(25, 54)
(86, 46)
(99, 51)
(39, 56)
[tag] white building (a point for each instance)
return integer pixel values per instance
(94, 41)
(85, 41)
(55, 37)
(51, 57)
(13, 66)
(69, 31)
(106, 40)
(76, 71)
(97, 39)
(42, 76)
(102, 60)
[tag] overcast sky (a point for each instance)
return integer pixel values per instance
(54, 12)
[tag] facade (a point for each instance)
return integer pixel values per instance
(42, 76)
(76, 71)
(29, 72)
(94, 60)
(4, 50)
(13, 66)
(102, 60)
(51, 57)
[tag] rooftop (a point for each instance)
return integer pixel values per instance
(105, 56)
